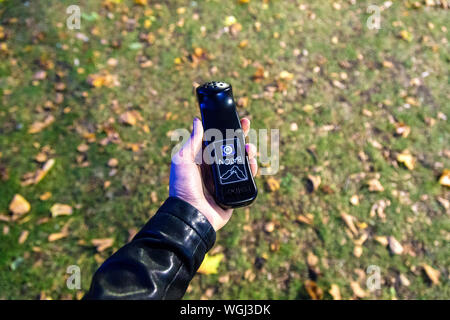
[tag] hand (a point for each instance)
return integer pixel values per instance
(186, 180)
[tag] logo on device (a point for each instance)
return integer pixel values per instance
(228, 150)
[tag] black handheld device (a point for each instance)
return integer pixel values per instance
(225, 144)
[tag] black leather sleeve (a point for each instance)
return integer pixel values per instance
(161, 259)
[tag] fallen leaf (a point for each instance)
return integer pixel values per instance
(45, 196)
(349, 221)
(269, 227)
(394, 245)
(313, 290)
(59, 209)
(210, 264)
(354, 200)
(313, 182)
(432, 274)
(130, 117)
(113, 162)
(306, 219)
(382, 240)
(23, 236)
(444, 180)
(38, 126)
(357, 290)
(285, 75)
(19, 205)
(407, 159)
(375, 185)
(335, 292)
(357, 251)
(102, 244)
(57, 236)
(402, 129)
(34, 178)
(272, 184)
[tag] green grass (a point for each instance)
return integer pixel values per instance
(36, 35)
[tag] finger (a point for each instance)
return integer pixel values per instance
(251, 152)
(193, 146)
(245, 124)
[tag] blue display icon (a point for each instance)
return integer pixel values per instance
(228, 150)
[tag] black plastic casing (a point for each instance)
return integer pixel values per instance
(218, 111)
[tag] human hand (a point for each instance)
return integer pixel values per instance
(188, 183)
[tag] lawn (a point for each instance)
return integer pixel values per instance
(86, 118)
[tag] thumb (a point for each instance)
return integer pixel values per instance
(193, 146)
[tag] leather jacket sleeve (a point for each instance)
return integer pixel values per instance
(161, 259)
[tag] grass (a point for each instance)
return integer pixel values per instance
(335, 140)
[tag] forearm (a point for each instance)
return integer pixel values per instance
(162, 258)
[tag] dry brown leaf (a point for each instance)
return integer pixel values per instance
(59, 209)
(306, 219)
(23, 236)
(45, 196)
(375, 185)
(313, 182)
(272, 184)
(357, 251)
(432, 273)
(113, 162)
(57, 236)
(394, 245)
(444, 180)
(350, 222)
(402, 129)
(312, 260)
(357, 290)
(335, 292)
(102, 244)
(313, 290)
(38, 126)
(382, 240)
(34, 178)
(130, 117)
(19, 206)
(83, 147)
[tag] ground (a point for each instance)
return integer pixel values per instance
(364, 141)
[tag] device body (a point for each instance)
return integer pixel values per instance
(234, 185)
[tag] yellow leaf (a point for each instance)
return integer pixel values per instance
(335, 292)
(445, 178)
(432, 273)
(19, 205)
(285, 75)
(141, 2)
(407, 159)
(229, 20)
(405, 35)
(102, 244)
(59, 209)
(273, 184)
(210, 264)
